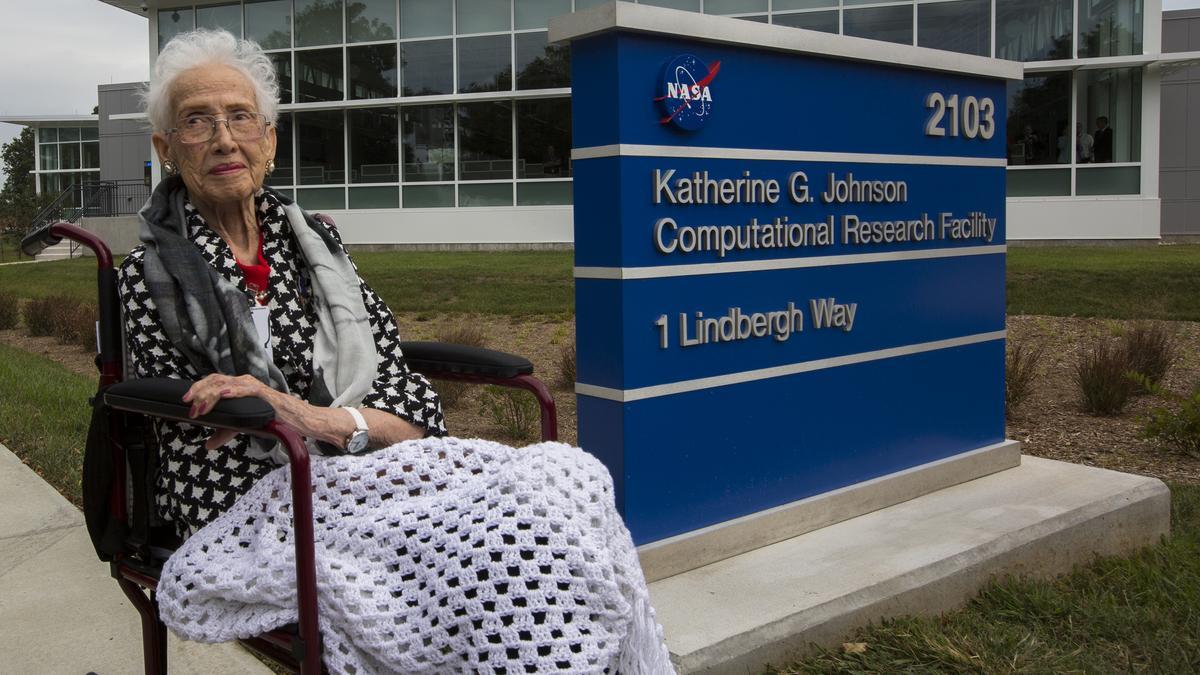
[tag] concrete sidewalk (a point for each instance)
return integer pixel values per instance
(60, 611)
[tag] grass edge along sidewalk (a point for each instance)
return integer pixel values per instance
(1136, 613)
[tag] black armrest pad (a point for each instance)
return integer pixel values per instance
(163, 397)
(430, 358)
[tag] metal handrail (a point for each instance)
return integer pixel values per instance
(97, 199)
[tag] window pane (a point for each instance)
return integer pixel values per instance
(1112, 180)
(483, 16)
(228, 17)
(1110, 28)
(485, 140)
(485, 194)
(48, 135)
(374, 146)
(485, 63)
(1033, 30)
(283, 152)
(1039, 183)
(269, 23)
(319, 75)
(424, 18)
(427, 67)
(321, 199)
(68, 134)
(428, 143)
(826, 22)
(686, 5)
(321, 148)
(49, 157)
(318, 22)
(372, 71)
(1109, 107)
(89, 133)
(802, 4)
(68, 156)
(581, 5)
(428, 196)
(368, 20)
(375, 198)
(963, 26)
(544, 138)
(537, 13)
(283, 74)
(734, 6)
(91, 155)
(172, 22)
(544, 193)
(890, 24)
(541, 65)
(1038, 110)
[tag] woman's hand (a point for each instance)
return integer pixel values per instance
(204, 394)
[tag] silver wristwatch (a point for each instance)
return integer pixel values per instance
(357, 440)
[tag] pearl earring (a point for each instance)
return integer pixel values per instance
(169, 167)
(270, 166)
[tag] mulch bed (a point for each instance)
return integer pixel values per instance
(1050, 423)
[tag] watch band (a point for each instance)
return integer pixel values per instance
(360, 422)
(357, 440)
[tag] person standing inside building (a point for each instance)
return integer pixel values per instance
(1103, 145)
(1084, 144)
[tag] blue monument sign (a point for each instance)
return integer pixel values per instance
(790, 259)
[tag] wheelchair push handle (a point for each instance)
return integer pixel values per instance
(38, 239)
(52, 233)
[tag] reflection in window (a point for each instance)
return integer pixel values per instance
(1033, 30)
(318, 22)
(320, 146)
(485, 194)
(428, 144)
(283, 152)
(485, 140)
(485, 63)
(686, 5)
(826, 22)
(89, 133)
(49, 157)
(544, 193)
(48, 135)
(541, 66)
(482, 16)
(426, 18)
(68, 156)
(889, 24)
(544, 138)
(283, 74)
(537, 13)
(372, 71)
(734, 6)
(1038, 183)
(428, 196)
(374, 146)
(1038, 110)
(963, 26)
(319, 75)
(269, 23)
(427, 67)
(780, 5)
(368, 20)
(1109, 110)
(228, 17)
(68, 134)
(172, 22)
(1110, 28)
(91, 155)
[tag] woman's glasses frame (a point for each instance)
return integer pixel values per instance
(242, 126)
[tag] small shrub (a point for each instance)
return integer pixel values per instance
(78, 326)
(41, 315)
(451, 391)
(1021, 364)
(1149, 351)
(9, 311)
(566, 365)
(63, 317)
(1102, 374)
(515, 411)
(1176, 429)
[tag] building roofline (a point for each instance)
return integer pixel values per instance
(36, 121)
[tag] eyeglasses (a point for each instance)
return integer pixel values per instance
(243, 126)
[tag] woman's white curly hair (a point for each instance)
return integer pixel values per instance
(202, 47)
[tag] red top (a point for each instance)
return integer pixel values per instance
(256, 275)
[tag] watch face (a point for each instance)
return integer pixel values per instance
(357, 442)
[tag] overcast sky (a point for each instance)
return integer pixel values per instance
(53, 53)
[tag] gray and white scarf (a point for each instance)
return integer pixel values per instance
(208, 318)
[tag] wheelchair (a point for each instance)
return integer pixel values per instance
(121, 458)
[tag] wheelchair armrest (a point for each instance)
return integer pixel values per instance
(431, 358)
(163, 397)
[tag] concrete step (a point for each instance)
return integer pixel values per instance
(924, 556)
(59, 251)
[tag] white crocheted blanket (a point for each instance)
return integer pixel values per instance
(436, 555)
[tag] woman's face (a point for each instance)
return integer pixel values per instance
(221, 171)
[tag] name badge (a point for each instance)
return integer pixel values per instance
(262, 323)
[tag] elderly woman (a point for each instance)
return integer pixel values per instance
(237, 288)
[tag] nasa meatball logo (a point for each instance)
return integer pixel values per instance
(685, 92)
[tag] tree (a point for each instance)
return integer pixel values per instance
(19, 202)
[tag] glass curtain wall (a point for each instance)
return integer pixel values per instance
(398, 133)
(70, 155)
